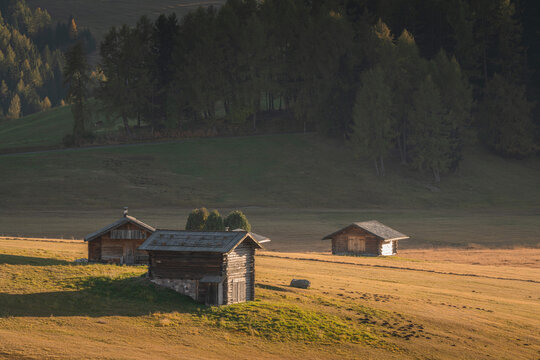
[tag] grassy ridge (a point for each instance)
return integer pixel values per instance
(289, 171)
(294, 188)
(43, 129)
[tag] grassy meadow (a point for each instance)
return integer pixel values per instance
(295, 188)
(393, 308)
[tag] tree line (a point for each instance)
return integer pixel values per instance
(407, 78)
(31, 58)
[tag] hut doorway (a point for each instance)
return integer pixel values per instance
(129, 251)
(239, 290)
(357, 245)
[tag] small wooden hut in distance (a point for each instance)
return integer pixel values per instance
(118, 242)
(215, 268)
(370, 238)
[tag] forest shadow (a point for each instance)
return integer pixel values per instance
(30, 260)
(99, 296)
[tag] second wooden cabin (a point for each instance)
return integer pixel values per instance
(369, 238)
(215, 268)
(118, 242)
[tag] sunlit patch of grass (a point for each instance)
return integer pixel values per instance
(286, 322)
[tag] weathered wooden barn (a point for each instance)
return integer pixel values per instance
(215, 268)
(118, 242)
(370, 238)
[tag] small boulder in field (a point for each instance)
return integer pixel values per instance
(300, 283)
(81, 261)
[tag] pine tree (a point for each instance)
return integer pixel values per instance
(14, 111)
(504, 118)
(430, 131)
(76, 78)
(73, 32)
(374, 124)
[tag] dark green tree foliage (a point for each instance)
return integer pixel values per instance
(197, 219)
(430, 133)
(374, 126)
(76, 78)
(237, 220)
(214, 222)
(127, 89)
(31, 60)
(504, 114)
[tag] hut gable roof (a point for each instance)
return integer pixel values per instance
(124, 220)
(196, 241)
(373, 227)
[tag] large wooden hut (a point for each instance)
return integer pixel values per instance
(369, 238)
(215, 268)
(118, 242)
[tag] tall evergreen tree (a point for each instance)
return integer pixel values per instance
(76, 78)
(430, 133)
(504, 118)
(374, 124)
(14, 110)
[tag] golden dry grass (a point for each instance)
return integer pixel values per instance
(424, 304)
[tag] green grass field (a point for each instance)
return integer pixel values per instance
(295, 188)
(43, 129)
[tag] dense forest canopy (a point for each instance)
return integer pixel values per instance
(409, 77)
(31, 58)
(411, 80)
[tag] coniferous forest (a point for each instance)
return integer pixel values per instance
(31, 58)
(411, 80)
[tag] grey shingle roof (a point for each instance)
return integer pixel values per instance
(124, 220)
(374, 227)
(196, 241)
(260, 238)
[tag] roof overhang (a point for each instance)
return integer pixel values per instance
(122, 221)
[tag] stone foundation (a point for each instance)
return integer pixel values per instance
(185, 287)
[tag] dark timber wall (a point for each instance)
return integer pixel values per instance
(355, 241)
(112, 248)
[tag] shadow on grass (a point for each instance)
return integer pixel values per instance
(272, 287)
(99, 296)
(29, 260)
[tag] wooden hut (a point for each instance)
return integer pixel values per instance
(370, 238)
(215, 268)
(118, 242)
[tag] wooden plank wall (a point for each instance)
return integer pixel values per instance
(240, 265)
(184, 265)
(340, 243)
(106, 249)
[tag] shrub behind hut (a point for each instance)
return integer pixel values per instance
(237, 220)
(197, 219)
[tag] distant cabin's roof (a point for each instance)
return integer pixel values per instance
(196, 241)
(124, 220)
(260, 238)
(374, 227)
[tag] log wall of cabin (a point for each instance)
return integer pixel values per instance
(240, 266)
(94, 250)
(340, 242)
(184, 265)
(105, 249)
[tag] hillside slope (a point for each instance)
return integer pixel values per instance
(294, 188)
